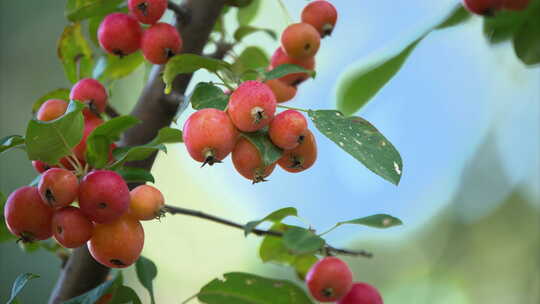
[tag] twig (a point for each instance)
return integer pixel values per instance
(260, 232)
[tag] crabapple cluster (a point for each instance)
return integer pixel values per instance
(211, 135)
(121, 34)
(331, 280)
(490, 7)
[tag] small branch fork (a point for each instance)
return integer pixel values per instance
(260, 232)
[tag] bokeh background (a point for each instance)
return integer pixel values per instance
(465, 117)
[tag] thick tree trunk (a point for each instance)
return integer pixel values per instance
(156, 110)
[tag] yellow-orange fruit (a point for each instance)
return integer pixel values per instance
(300, 40)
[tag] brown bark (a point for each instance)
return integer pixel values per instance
(156, 110)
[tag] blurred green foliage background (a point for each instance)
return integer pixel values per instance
(471, 211)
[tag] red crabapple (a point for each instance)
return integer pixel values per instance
(146, 203)
(362, 293)
(52, 109)
(27, 216)
(160, 42)
(209, 135)
(248, 162)
(71, 227)
(80, 149)
(280, 57)
(41, 166)
(322, 15)
(252, 106)
(103, 196)
(329, 279)
(300, 40)
(283, 91)
(147, 11)
(58, 187)
(117, 244)
(302, 157)
(92, 93)
(288, 129)
(483, 7)
(120, 34)
(516, 5)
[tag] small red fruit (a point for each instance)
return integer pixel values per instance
(71, 227)
(103, 196)
(516, 5)
(283, 92)
(209, 135)
(160, 42)
(252, 106)
(120, 34)
(92, 93)
(280, 57)
(248, 162)
(52, 109)
(288, 129)
(483, 7)
(302, 157)
(322, 15)
(300, 40)
(41, 166)
(147, 11)
(362, 293)
(146, 203)
(27, 216)
(117, 244)
(58, 187)
(329, 279)
(80, 149)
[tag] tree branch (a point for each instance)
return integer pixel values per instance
(260, 232)
(195, 21)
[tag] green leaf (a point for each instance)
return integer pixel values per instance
(167, 135)
(125, 294)
(49, 141)
(207, 95)
(19, 284)
(95, 294)
(244, 288)
(98, 143)
(10, 142)
(189, 63)
(376, 221)
(460, 15)
(248, 13)
(527, 42)
(302, 264)
(505, 24)
(270, 153)
(302, 241)
(362, 140)
(62, 94)
(272, 248)
(5, 235)
(246, 30)
(135, 175)
(249, 62)
(146, 273)
(276, 216)
(77, 10)
(110, 67)
(286, 69)
(75, 53)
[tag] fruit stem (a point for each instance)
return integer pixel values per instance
(292, 108)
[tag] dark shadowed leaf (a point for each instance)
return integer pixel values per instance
(244, 288)
(301, 241)
(146, 273)
(77, 10)
(62, 94)
(99, 141)
(10, 142)
(19, 284)
(49, 141)
(247, 13)
(75, 53)
(376, 221)
(276, 216)
(362, 140)
(286, 69)
(125, 295)
(251, 60)
(135, 175)
(95, 294)
(189, 63)
(270, 153)
(207, 95)
(246, 30)
(110, 67)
